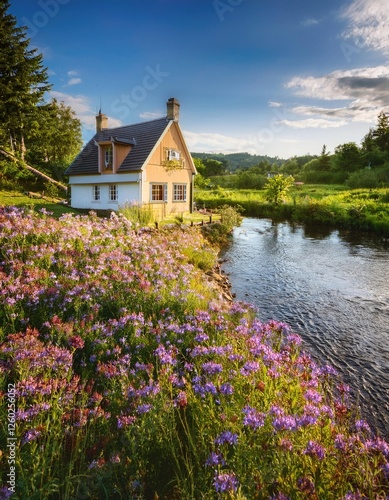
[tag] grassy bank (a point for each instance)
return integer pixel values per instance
(130, 377)
(335, 206)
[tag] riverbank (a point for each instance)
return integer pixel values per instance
(334, 206)
(133, 377)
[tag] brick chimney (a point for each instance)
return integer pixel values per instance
(173, 109)
(101, 121)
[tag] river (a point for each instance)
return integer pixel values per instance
(332, 288)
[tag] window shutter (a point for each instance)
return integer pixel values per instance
(165, 192)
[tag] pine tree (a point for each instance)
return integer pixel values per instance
(23, 81)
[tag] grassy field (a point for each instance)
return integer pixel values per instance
(18, 199)
(358, 209)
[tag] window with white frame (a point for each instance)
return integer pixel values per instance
(96, 193)
(113, 192)
(179, 192)
(158, 192)
(173, 154)
(108, 158)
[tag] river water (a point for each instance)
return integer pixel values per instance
(332, 288)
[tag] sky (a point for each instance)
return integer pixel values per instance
(270, 77)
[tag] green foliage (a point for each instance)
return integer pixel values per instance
(54, 138)
(277, 187)
(348, 158)
(332, 205)
(137, 213)
(218, 233)
(365, 178)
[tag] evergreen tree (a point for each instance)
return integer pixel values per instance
(23, 82)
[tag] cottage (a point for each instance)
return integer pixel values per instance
(146, 163)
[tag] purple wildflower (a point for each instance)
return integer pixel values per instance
(125, 420)
(31, 435)
(226, 389)
(249, 367)
(385, 469)
(314, 450)
(215, 459)
(212, 368)
(306, 486)
(227, 437)
(362, 425)
(145, 408)
(5, 493)
(284, 423)
(253, 418)
(225, 483)
(313, 396)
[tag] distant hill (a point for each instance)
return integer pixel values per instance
(233, 161)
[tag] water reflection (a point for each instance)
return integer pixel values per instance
(332, 288)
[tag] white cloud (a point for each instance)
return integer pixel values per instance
(74, 81)
(81, 106)
(313, 123)
(74, 78)
(309, 22)
(274, 104)
(218, 143)
(365, 89)
(368, 22)
(151, 115)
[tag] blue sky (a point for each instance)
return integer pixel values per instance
(278, 78)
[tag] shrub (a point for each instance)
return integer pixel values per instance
(365, 178)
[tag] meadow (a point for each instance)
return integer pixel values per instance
(125, 374)
(331, 205)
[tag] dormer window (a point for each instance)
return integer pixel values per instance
(173, 154)
(108, 158)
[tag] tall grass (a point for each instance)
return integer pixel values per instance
(134, 379)
(359, 209)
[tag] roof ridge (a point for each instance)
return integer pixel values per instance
(138, 123)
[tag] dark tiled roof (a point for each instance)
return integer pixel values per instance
(145, 136)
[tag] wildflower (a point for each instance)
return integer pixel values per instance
(212, 368)
(286, 444)
(31, 435)
(76, 342)
(253, 418)
(224, 482)
(226, 437)
(115, 459)
(249, 367)
(226, 389)
(314, 449)
(5, 493)
(355, 495)
(125, 420)
(313, 396)
(362, 425)
(284, 423)
(215, 459)
(145, 408)
(181, 400)
(305, 485)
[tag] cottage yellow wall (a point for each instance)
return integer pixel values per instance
(156, 173)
